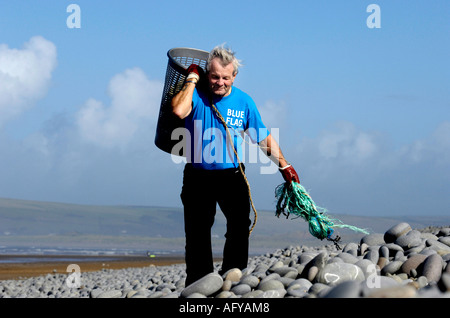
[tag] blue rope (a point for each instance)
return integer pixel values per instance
(293, 198)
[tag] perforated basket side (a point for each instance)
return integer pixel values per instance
(179, 61)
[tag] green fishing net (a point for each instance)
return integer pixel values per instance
(292, 198)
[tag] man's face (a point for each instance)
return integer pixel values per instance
(220, 78)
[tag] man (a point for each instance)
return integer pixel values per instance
(212, 174)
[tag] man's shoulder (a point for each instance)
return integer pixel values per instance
(239, 93)
(200, 94)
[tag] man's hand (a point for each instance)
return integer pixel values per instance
(195, 72)
(289, 174)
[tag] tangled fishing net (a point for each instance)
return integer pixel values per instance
(292, 198)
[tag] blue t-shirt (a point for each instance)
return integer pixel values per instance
(208, 142)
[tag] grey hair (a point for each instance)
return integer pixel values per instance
(226, 56)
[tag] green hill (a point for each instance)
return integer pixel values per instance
(51, 224)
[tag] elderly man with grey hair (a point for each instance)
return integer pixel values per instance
(212, 108)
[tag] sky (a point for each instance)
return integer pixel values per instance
(357, 95)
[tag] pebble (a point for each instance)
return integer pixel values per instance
(312, 273)
(253, 294)
(432, 268)
(393, 264)
(444, 282)
(348, 289)
(286, 271)
(412, 263)
(409, 240)
(274, 293)
(368, 267)
(335, 273)
(297, 292)
(233, 275)
(250, 280)
(394, 292)
(270, 284)
(348, 258)
(372, 256)
(206, 285)
(241, 289)
(445, 240)
(373, 239)
(227, 284)
(391, 235)
(318, 288)
(391, 268)
(96, 292)
(110, 294)
(439, 247)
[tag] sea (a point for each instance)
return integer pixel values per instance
(20, 254)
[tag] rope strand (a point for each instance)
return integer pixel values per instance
(219, 115)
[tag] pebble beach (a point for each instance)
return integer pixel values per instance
(400, 263)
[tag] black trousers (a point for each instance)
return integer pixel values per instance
(202, 191)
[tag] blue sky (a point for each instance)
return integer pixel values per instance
(363, 113)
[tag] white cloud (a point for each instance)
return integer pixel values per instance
(135, 102)
(435, 148)
(345, 144)
(353, 170)
(273, 114)
(25, 75)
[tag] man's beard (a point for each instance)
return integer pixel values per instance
(227, 90)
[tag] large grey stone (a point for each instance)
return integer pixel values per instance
(396, 231)
(367, 266)
(445, 240)
(306, 257)
(444, 282)
(207, 285)
(412, 263)
(270, 284)
(393, 248)
(335, 273)
(391, 268)
(234, 275)
(320, 260)
(296, 292)
(96, 292)
(409, 240)
(375, 283)
(241, 289)
(317, 288)
(373, 239)
(315, 265)
(351, 248)
(286, 270)
(372, 256)
(300, 283)
(348, 258)
(347, 289)
(270, 277)
(432, 268)
(250, 280)
(441, 248)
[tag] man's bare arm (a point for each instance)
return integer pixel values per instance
(182, 102)
(271, 148)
